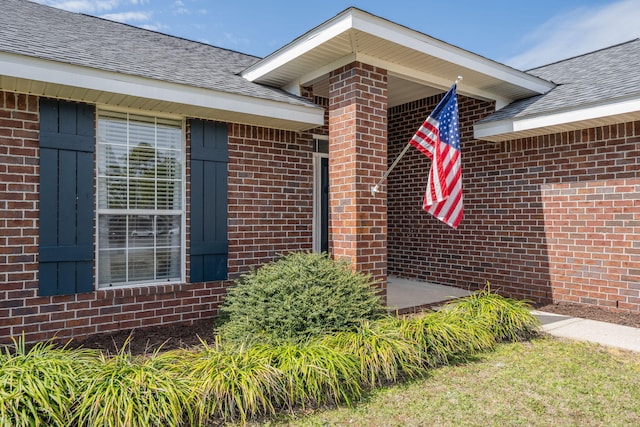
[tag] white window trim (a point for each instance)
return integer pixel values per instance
(183, 235)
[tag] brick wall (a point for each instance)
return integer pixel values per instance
(551, 217)
(593, 236)
(357, 158)
(270, 195)
(270, 200)
(308, 93)
(18, 208)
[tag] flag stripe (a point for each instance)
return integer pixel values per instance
(426, 137)
(445, 209)
(450, 156)
(436, 188)
(448, 210)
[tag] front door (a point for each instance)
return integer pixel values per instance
(321, 196)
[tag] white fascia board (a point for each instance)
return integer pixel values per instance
(87, 78)
(515, 125)
(306, 43)
(486, 130)
(433, 47)
(588, 113)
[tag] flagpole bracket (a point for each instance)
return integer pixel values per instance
(375, 189)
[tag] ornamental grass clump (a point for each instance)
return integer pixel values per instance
(234, 383)
(298, 297)
(38, 386)
(135, 391)
(446, 336)
(382, 353)
(508, 319)
(313, 373)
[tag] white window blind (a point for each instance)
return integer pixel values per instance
(140, 199)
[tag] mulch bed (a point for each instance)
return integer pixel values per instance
(594, 313)
(146, 340)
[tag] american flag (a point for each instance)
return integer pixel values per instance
(439, 139)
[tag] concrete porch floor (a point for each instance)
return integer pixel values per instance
(405, 294)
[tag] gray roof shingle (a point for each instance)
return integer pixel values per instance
(44, 32)
(595, 78)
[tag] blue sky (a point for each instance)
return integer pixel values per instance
(522, 34)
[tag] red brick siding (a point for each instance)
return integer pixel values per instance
(593, 235)
(357, 159)
(535, 223)
(270, 202)
(307, 92)
(270, 195)
(19, 130)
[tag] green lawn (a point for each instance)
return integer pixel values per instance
(546, 382)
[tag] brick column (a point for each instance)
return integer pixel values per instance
(357, 160)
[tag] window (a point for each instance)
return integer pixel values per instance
(140, 189)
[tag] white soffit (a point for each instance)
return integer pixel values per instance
(559, 121)
(355, 35)
(57, 80)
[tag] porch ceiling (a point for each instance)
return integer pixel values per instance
(418, 65)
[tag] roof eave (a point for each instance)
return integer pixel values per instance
(559, 121)
(354, 20)
(60, 80)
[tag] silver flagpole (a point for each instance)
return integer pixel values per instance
(376, 187)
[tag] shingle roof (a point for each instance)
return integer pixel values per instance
(44, 32)
(595, 78)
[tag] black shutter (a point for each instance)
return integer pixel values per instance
(209, 157)
(67, 141)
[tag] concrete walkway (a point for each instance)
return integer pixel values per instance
(608, 334)
(404, 295)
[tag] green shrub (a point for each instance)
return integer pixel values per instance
(234, 383)
(508, 319)
(135, 391)
(316, 374)
(382, 353)
(38, 386)
(297, 297)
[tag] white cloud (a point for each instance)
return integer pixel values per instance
(82, 6)
(155, 27)
(113, 10)
(181, 11)
(179, 8)
(234, 40)
(128, 16)
(579, 31)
